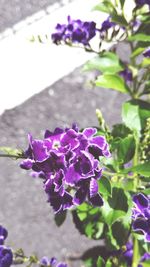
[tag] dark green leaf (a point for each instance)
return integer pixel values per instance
(108, 62)
(119, 200)
(120, 233)
(120, 130)
(126, 149)
(111, 81)
(87, 220)
(105, 186)
(60, 218)
(119, 19)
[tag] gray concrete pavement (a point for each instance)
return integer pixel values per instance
(13, 11)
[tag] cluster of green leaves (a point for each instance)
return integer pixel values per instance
(136, 30)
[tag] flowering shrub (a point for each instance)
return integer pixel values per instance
(101, 175)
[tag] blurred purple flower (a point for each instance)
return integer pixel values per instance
(147, 53)
(141, 215)
(3, 234)
(126, 74)
(106, 25)
(45, 261)
(140, 3)
(6, 256)
(68, 161)
(75, 31)
(128, 255)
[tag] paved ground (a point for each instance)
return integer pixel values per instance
(23, 203)
(13, 11)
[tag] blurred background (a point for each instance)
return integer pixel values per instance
(42, 86)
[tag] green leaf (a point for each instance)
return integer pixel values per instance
(105, 186)
(137, 52)
(145, 62)
(119, 200)
(100, 262)
(142, 169)
(146, 263)
(120, 130)
(111, 81)
(130, 116)
(108, 263)
(140, 37)
(126, 149)
(120, 233)
(60, 218)
(119, 19)
(105, 6)
(115, 207)
(146, 191)
(87, 219)
(108, 62)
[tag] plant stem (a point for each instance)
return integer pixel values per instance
(135, 252)
(12, 156)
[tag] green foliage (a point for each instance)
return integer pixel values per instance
(112, 81)
(106, 62)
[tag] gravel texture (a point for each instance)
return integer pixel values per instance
(24, 210)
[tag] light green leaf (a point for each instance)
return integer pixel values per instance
(140, 37)
(108, 62)
(130, 116)
(100, 262)
(146, 263)
(105, 6)
(142, 169)
(137, 52)
(111, 81)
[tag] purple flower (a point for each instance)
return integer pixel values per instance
(68, 161)
(75, 31)
(127, 75)
(106, 25)
(6, 256)
(144, 258)
(3, 234)
(147, 53)
(140, 3)
(128, 254)
(45, 261)
(141, 215)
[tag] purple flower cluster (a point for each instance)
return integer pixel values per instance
(141, 215)
(45, 261)
(68, 161)
(147, 53)
(75, 31)
(128, 255)
(6, 256)
(126, 74)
